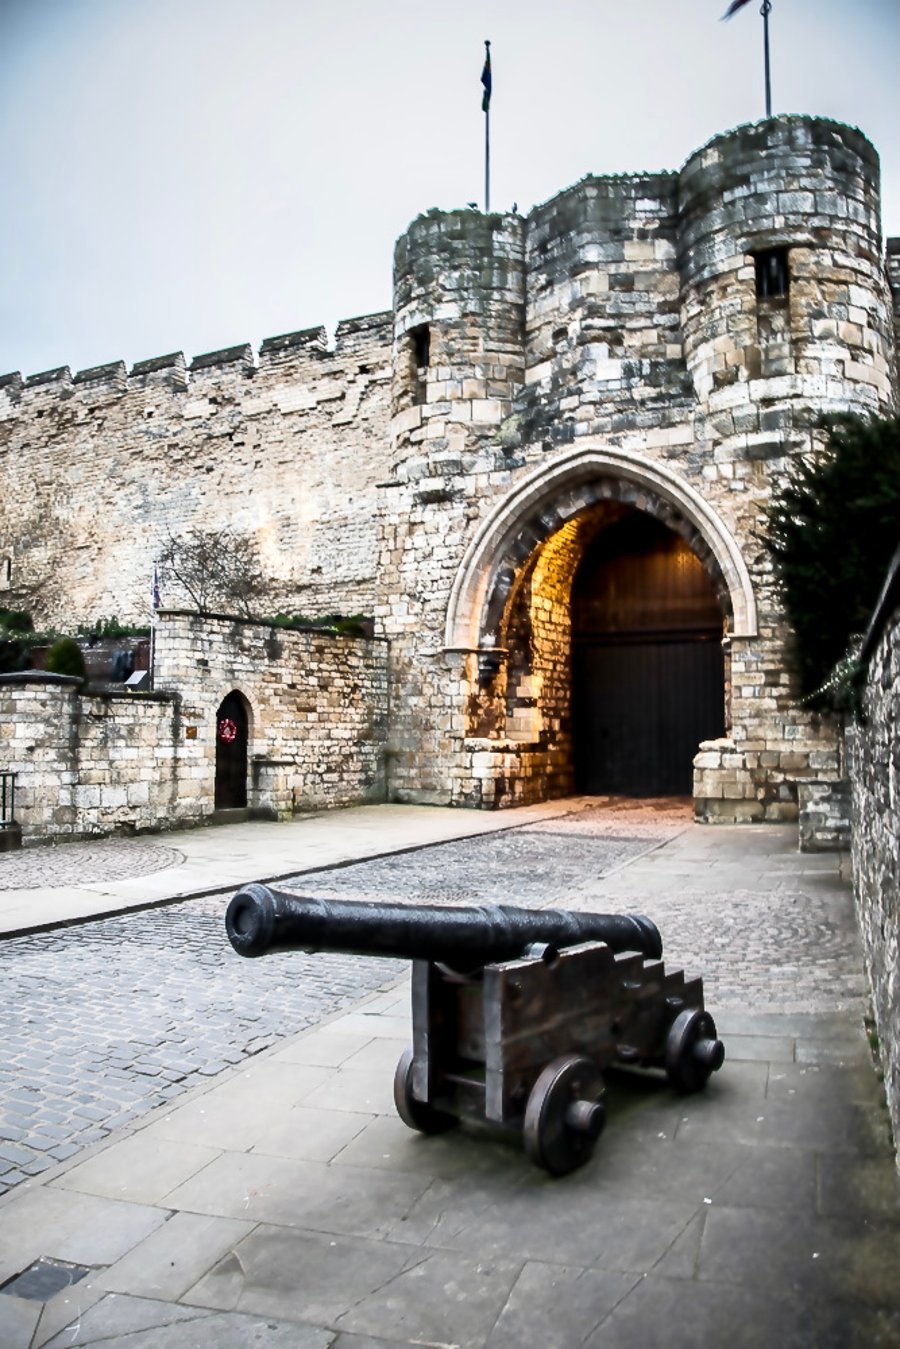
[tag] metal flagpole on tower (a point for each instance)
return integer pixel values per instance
(765, 11)
(486, 108)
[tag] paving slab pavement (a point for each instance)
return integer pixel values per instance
(283, 1203)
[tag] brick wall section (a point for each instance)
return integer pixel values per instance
(875, 777)
(97, 469)
(98, 763)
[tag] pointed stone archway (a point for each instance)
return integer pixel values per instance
(510, 619)
(558, 493)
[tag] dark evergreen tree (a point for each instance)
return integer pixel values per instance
(832, 530)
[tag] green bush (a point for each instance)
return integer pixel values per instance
(16, 620)
(346, 625)
(111, 627)
(65, 658)
(832, 531)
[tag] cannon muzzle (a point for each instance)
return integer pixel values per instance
(261, 922)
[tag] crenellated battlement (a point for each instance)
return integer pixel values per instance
(112, 376)
(295, 353)
(61, 375)
(268, 443)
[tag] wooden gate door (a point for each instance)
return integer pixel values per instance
(231, 753)
(647, 662)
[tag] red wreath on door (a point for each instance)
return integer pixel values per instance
(228, 731)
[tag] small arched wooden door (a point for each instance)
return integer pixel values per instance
(648, 676)
(232, 722)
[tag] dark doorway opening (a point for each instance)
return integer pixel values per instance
(232, 723)
(647, 661)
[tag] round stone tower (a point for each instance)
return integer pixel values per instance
(459, 303)
(783, 279)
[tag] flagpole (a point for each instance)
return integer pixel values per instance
(486, 104)
(154, 610)
(765, 11)
(487, 160)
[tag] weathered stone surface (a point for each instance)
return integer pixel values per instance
(875, 777)
(89, 763)
(612, 350)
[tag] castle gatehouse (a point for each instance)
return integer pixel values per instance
(543, 474)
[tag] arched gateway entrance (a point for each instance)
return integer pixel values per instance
(594, 601)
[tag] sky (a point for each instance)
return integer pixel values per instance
(194, 174)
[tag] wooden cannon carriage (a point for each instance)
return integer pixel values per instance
(517, 1013)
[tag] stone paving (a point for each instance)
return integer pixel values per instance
(109, 1020)
(82, 863)
(113, 1018)
(281, 1202)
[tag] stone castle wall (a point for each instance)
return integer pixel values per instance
(875, 778)
(615, 349)
(318, 708)
(102, 762)
(92, 763)
(99, 468)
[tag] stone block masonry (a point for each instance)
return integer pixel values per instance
(100, 468)
(98, 763)
(660, 344)
(616, 348)
(874, 759)
(318, 708)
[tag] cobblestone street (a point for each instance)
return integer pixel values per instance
(107, 1020)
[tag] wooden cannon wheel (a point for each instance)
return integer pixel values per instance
(565, 1114)
(693, 1050)
(417, 1114)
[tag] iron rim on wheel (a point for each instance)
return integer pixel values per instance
(565, 1114)
(417, 1114)
(693, 1050)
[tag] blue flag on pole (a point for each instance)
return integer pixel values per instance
(486, 77)
(734, 7)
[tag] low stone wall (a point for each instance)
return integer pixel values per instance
(92, 763)
(97, 763)
(317, 703)
(874, 758)
(773, 782)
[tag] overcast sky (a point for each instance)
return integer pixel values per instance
(191, 174)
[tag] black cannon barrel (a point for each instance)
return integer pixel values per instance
(261, 921)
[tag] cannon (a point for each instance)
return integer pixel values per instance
(517, 1013)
